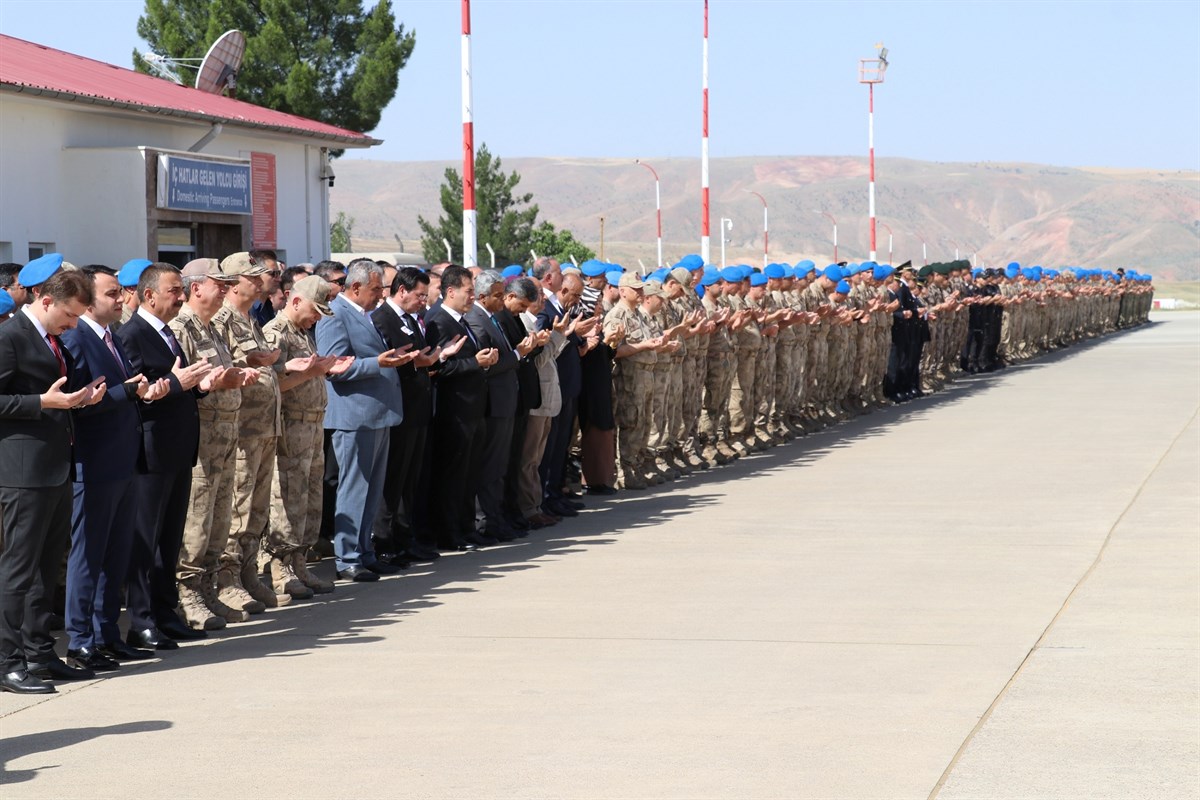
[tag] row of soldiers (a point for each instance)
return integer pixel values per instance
(744, 359)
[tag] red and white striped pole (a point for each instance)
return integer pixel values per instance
(705, 239)
(470, 243)
(657, 206)
(766, 234)
(871, 147)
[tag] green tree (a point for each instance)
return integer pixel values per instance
(559, 244)
(340, 232)
(328, 60)
(503, 220)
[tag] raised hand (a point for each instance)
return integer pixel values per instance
(192, 374)
(396, 357)
(56, 398)
(450, 350)
(339, 365)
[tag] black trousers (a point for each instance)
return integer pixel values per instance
(37, 524)
(162, 505)
(457, 444)
(554, 460)
(396, 526)
(497, 447)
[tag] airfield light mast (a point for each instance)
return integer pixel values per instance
(657, 206)
(705, 239)
(766, 234)
(870, 72)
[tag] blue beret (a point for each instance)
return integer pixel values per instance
(131, 271)
(843, 287)
(37, 271)
(593, 268)
(866, 265)
(660, 275)
(834, 273)
(512, 271)
(1011, 271)
(758, 279)
(805, 268)
(774, 271)
(7, 304)
(613, 277)
(882, 272)
(806, 264)
(1014, 265)
(731, 275)
(691, 262)
(709, 279)
(975, 273)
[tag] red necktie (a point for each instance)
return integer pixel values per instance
(62, 364)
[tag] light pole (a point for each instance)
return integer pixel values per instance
(870, 72)
(887, 228)
(924, 249)
(726, 225)
(766, 229)
(951, 241)
(705, 239)
(829, 216)
(657, 205)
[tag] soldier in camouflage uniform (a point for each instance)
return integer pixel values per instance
(258, 428)
(210, 504)
(633, 379)
(718, 372)
(299, 456)
(655, 464)
(747, 338)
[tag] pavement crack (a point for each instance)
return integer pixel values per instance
(987, 715)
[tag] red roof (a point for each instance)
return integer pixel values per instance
(31, 68)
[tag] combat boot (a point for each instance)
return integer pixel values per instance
(652, 475)
(693, 459)
(208, 591)
(725, 448)
(300, 567)
(250, 577)
(231, 592)
(195, 613)
(285, 580)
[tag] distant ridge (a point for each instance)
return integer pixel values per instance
(1032, 213)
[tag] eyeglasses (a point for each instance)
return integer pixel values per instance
(339, 281)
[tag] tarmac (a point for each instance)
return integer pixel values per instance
(993, 592)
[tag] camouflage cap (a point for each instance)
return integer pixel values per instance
(206, 268)
(316, 290)
(241, 264)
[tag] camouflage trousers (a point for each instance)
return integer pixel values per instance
(251, 499)
(718, 385)
(295, 495)
(633, 407)
(741, 396)
(210, 506)
(660, 414)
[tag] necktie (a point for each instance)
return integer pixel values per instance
(470, 335)
(172, 342)
(62, 363)
(108, 340)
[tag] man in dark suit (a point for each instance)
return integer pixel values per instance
(35, 476)
(502, 401)
(399, 320)
(169, 444)
(570, 377)
(519, 295)
(460, 401)
(107, 443)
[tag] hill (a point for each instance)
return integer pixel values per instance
(1035, 214)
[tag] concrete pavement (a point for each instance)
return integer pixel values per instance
(989, 593)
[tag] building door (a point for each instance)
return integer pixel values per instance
(217, 241)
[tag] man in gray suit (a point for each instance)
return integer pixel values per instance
(364, 404)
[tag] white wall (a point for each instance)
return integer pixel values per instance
(71, 174)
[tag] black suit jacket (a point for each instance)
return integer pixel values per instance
(170, 426)
(35, 443)
(107, 434)
(570, 370)
(459, 383)
(415, 384)
(502, 384)
(529, 388)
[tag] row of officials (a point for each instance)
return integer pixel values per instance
(191, 438)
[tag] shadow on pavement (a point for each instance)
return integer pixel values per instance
(38, 743)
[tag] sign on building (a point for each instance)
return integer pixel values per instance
(192, 184)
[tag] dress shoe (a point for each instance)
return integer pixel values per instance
(456, 545)
(56, 669)
(357, 574)
(601, 489)
(421, 552)
(501, 534)
(91, 658)
(176, 630)
(480, 539)
(120, 651)
(572, 496)
(21, 682)
(383, 567)
(151, 638)
(516, 522)
(558, 508)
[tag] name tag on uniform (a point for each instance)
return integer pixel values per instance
(406, 329)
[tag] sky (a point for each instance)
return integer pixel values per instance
(1110, 84)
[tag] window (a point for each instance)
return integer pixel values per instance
(39, 249)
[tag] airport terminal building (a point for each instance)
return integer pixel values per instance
(104, 164)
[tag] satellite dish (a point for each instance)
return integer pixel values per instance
(162, 66)
(218, 70)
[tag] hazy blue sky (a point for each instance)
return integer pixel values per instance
(1068, 83)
